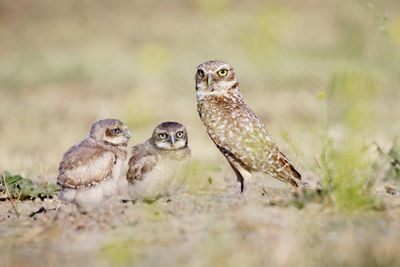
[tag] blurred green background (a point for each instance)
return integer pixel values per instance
(66, 64)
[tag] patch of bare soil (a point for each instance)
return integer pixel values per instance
(201, 228)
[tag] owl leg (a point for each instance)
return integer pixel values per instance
(244, 177)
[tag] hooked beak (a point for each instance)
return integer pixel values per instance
(128, 134)
(172, 140)
(209, 79)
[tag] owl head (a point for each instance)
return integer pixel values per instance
(169, 136)
(215, 77)
(110, 131)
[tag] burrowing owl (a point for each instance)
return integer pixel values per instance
(236, 130)
(156, 168)
(90, 170)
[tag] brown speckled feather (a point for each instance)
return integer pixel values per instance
(232, 125)
(145, 156)
(85, 164)
(142, 161)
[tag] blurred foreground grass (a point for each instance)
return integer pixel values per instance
(323, 76)
(346, 159)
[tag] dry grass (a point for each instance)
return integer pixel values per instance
(67, 64)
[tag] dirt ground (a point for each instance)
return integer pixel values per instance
(203, 228)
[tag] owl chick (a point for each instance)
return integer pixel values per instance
(235, 129)
(90, 170)
(156, 168)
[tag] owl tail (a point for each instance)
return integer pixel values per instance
(295, 172)
(292, 175)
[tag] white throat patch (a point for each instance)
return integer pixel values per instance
(202, 94)
(220, 90)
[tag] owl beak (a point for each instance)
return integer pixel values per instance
(128, 134)
(209, 79)
(172, 140)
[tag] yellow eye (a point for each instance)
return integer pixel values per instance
(179, 134)
(162, 136)
(222, 72)
(200, 73)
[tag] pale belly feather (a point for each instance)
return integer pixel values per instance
(163, 180)
(90, 197)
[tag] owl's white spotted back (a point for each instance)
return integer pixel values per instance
(236, 129)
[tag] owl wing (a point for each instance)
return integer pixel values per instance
(247, 145)
(258, 151)
(85, 167)
(141, 162)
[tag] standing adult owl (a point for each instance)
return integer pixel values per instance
(156, 168)
(90, 171)
(235, 129)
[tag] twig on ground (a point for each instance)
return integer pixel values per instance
(18, 199)
(392, 160)
(265, 193)
(41, 176)
(318, 162)
(380, 150)
(9, 196)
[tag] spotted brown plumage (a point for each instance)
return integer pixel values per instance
(142, 161)
(235, 129)
(90, 171)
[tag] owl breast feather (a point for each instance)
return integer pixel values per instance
(233, 126)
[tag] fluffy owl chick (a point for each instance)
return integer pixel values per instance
(235, 129)
(156, 168)
(90, 171)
